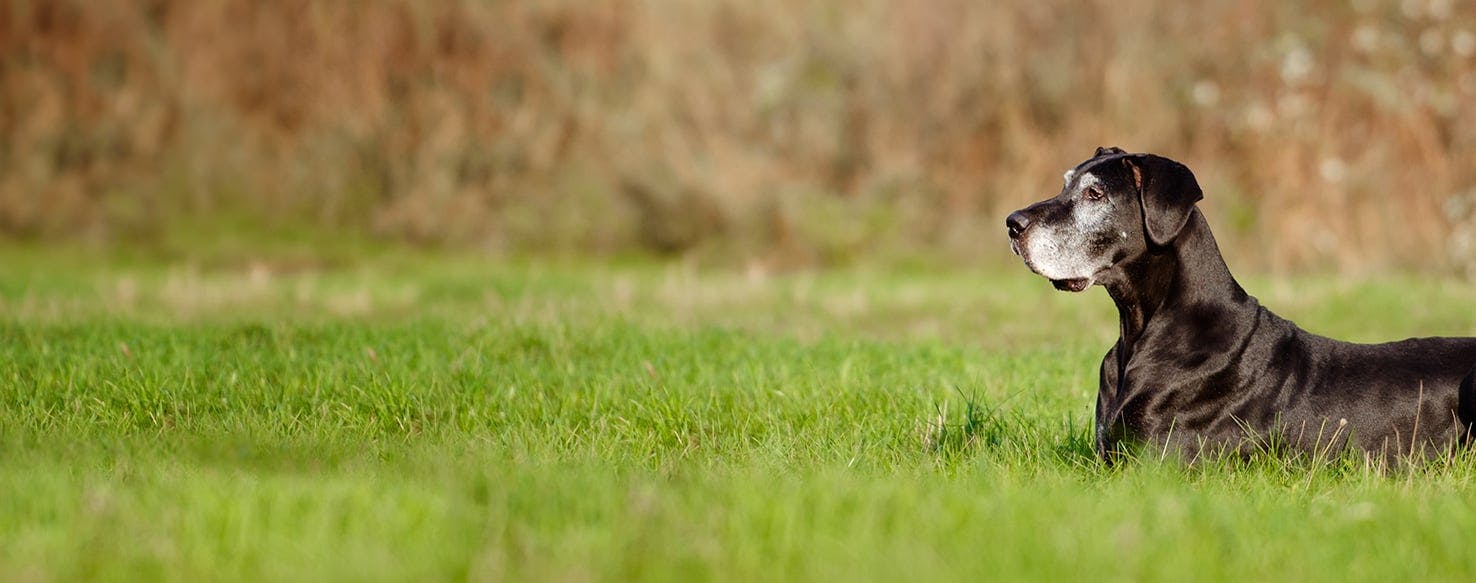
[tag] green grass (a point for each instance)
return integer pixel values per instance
(412, 418)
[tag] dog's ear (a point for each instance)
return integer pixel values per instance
(1167, 191)
(1107, 151)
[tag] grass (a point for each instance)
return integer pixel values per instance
(412, 418)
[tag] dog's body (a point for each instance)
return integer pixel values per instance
(1201, 366)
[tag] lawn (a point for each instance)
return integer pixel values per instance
(427, 418)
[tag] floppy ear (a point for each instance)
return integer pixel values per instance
(1107, 151)
(1167, 191)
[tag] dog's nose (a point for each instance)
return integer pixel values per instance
(1017, 222)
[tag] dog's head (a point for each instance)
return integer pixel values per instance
(1114, 206)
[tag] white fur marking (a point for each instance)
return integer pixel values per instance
(1088, 180)
(1058, 251)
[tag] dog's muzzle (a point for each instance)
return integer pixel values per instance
(1018, 224)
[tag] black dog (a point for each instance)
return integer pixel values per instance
(1201, 366)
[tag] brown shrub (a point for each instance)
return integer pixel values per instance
(1325, 135)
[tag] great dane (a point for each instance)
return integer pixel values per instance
(1201, 367)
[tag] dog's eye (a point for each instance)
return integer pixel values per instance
(1094, 194)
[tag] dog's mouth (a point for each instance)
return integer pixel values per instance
(1072, 285)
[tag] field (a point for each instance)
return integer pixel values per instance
(555, 290)
(412, 418)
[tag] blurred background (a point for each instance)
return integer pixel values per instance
(778, 134)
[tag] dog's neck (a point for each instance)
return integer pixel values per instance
(1187, 271)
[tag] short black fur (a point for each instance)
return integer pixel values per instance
(1201, 366)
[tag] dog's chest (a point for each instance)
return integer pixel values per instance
(1152, 406)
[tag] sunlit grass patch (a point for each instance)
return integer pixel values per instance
(537, 421)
